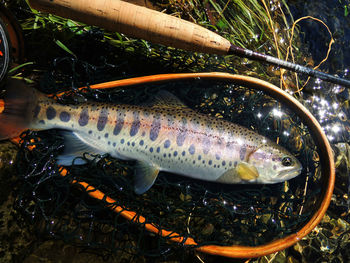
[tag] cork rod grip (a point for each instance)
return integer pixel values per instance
(137, 21)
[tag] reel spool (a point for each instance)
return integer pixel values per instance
(11, 42)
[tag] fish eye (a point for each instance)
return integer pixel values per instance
(287, 161)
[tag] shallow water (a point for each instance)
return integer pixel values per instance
(335, 13)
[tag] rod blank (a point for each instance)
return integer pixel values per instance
(157, 27)
(242, 52)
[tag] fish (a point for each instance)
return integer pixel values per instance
(161, 135)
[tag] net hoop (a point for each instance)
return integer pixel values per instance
(235, 251)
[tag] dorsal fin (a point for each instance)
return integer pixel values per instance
(165, 99)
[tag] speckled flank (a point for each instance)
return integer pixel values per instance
(135, 126)
(102, 119)
(174, 139)
(84, 117)
(206, 144)
(242, 152)
(119, 123)
(65, 116)
(50, 113)
(182, 130)
(155, 128)
(36, 111)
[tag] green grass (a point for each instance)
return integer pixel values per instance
(245, 23)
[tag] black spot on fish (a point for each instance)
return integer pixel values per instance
(242, 152)
(192, 149)
(135, 126)
(210, 162)
(102, 119)
(199, 157)
(119, 125)
(128, 143)
(109, 143)
(155, 128)
(122, 141)
(175, 153)
(84, 117)
(90, 131)
(230, 163)
(164, 155)
(158, 149)
(235, 164)
(114, 144)
(183, 153)
(64, 116)
(217, 156)
(42, 122)
(143, 134)
(151, 149)
(223, 163)
(133, 144)
(167, 144)
(106, 135)
(171, 122)
(141, 142)
(36, 111)
(181, 136)
(50, 113)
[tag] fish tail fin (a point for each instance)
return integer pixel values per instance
(17, 108)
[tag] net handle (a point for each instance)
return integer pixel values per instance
(236, 251)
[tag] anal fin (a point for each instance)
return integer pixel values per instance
(144, 177)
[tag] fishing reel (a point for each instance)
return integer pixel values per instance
(11, 42)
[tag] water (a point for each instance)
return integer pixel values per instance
(335, 14)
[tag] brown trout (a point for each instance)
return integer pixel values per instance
(164, 136)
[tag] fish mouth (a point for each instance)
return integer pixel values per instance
(288, 174)
(284, 176)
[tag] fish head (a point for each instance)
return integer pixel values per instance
(274, 164)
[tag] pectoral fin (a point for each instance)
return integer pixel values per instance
(75, 146)
(144, 177)
(243, 172)
(247, 172)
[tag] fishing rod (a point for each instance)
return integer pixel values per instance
(141, 22)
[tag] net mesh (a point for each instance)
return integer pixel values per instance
(207, 212)
(59, 208)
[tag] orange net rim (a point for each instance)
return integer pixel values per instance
(235, 251)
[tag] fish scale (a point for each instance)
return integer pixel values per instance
(163, 136)
(185, 134)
